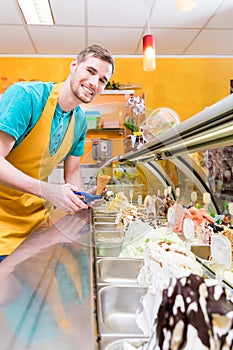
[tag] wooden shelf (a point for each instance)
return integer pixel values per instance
(119, 130)
(117, 92)
(104, 129)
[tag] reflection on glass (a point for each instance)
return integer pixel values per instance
(219, 166)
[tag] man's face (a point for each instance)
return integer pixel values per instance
(89, 78)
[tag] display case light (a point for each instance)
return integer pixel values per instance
(219, 135)
(36, 11)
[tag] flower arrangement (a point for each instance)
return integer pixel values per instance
(136, 103)
(135, 108)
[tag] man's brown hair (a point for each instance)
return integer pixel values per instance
(98, 52)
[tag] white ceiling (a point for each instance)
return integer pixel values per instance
(119, 26)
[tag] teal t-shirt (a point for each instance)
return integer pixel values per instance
(22, 105)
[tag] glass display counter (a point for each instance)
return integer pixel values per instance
(190, 160)
(193, 159)
(47, 289)
(185, 164)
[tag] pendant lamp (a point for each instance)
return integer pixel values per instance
(148, 49)
(185, 5)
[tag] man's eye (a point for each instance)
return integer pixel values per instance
(103, 81)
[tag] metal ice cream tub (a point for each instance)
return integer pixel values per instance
(117, 343)
(104, 219)
(108, 226)
(107, 248)
(116, 309)
(103, 212)
(118, 270)
(108, 238)
(116, 236)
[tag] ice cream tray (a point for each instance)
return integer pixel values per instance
(118, 271)
(103, 212)
(108, 235)
(116, 309)
(117, 343)
(107, 226)
(118, 296)
(104, 219)
(107, 248)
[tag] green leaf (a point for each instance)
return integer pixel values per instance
(129, 124)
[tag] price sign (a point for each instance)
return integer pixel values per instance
(171, 216)
(230, 207)
(194, 196)
(221, 250)
(206, 198)
(188, 229)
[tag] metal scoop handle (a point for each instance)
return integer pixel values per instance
(88, 197)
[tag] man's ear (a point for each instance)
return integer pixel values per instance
(73, 65)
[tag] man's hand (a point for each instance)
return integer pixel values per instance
(62, 197)
(97, 202)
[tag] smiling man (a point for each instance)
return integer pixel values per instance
(41, 125)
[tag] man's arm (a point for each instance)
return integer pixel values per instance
(72, 172)
(73, 175)
(61, 196)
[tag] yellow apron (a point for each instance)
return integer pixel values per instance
(21, 212)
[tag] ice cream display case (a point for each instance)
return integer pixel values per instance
(163, 253)
(199, 149)
(149, 268)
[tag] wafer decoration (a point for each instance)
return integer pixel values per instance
(102, 181)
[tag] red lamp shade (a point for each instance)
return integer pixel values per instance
(148, 49)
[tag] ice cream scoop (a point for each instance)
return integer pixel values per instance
(87, 197)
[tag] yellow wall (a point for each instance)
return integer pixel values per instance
(20, 68)
(186, 85)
